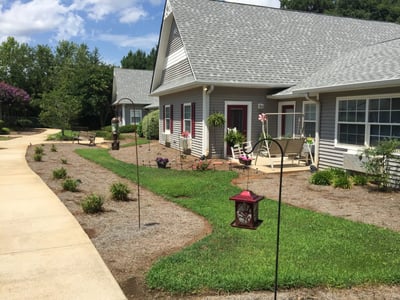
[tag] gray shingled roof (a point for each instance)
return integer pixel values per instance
(368, 67)
(133, 84)
(231, 43)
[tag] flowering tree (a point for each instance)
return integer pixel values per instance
(11, 96)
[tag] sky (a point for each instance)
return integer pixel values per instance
(113, 26)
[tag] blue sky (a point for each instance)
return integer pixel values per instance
(113, 26)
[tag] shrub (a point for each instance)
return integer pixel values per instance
(53, 148)
(39, 150)
(70, 185)
(323, 177)
(360, 180)
(4, 130)
(119, 191)
(64, 161)
(92, 204)
(60, 173)
(24, 123)
(127, 128)
(150, 125)
(342, 181)
(37, 157)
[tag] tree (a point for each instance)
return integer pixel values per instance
(139, 60)
(379, 10)
(12, 98)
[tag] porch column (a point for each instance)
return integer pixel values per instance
(207, 90)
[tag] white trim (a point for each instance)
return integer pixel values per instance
(167, 131)
(356, 148)
(280, 104)
(249, 105)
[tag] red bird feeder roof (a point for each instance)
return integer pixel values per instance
(246, 196)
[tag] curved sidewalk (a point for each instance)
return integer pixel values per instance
(44, 253)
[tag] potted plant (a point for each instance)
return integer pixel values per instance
(234, 137)
(245, 160)
(162, 162)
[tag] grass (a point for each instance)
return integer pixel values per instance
(316, 249)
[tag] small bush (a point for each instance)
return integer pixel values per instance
(342, 181)
(64, 161)
(53, 148)
(37, 157)
(39, 150)
(60, 173)
(24, 123)
(360, 180)
(70, 185)
(92, 204)
(119, 191)
(323, 177)
(4, 130)
(127, 128)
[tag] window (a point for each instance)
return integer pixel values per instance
(367, 121)
(187, 118)
(310, 119)
(167, 118)
(135, 116)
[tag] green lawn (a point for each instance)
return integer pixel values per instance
(316, 249)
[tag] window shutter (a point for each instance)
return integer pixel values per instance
(182, 120)
(163, 117)
(172, 119)
(193, 120)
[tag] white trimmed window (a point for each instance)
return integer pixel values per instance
(310, 119)
(167, 118)
(366, 121)
(187, 117)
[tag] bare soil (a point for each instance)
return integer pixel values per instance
(129, 241)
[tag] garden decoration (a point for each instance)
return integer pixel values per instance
(245, 160)
(137, 158)
(246, 209)
(162, 162)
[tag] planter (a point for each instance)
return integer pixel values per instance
(246, 162)
(161, 165)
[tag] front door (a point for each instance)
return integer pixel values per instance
(237, 117)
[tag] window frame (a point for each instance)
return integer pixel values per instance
(135, 113)
(367, 123)
(167, 120)
(314, 121)
(185, 119)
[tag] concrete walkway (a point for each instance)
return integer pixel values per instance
(44, 253)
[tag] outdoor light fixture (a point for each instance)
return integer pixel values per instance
(246, 209)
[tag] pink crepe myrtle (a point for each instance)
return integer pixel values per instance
(262, 117)
(10, 94)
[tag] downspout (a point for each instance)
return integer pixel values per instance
(207, 90)
(317, 121)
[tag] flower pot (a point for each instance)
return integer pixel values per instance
(161, 165)
(246, 162)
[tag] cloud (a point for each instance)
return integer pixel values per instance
(145, 42)
(22, 20)
(132, 15)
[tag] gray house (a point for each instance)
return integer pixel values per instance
(132, 86)
(331, 78)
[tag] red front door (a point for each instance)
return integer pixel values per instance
(237, 117)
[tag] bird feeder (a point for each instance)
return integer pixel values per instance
(246, 210)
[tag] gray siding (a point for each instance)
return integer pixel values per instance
(180, 70)
(175, 41)
(176, 100)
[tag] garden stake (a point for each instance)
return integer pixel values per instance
(279, 210)
(137, 158)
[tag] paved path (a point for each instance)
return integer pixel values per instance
(44, 253)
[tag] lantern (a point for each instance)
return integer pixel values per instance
(246, 210)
